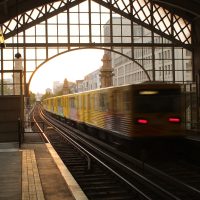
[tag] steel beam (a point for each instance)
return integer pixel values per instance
(96, 45)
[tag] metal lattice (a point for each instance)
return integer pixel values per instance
(148, 40)
(153, 16)
(143, 12)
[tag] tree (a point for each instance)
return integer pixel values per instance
(32, 98)
(58, 93)
(46, 95)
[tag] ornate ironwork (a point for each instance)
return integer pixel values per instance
(143, 12)
(140, 31)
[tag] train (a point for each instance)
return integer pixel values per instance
(123, 113)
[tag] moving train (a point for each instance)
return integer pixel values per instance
(126, 112)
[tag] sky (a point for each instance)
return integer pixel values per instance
(73, 65)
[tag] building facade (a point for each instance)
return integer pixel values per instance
(168, 64)
(91, 81)
(57, 86)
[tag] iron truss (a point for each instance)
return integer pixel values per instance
(143, 12)
(139, 31)
(138, 34)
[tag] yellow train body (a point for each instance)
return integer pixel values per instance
(116, 110)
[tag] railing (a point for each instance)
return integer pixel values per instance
(30, 125)
(192, 118)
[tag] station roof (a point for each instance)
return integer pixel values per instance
(189, 9)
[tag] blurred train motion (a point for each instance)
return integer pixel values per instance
(148, 110)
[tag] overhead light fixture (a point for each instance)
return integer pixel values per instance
(2, 42)
(148, 92)
(17, 55)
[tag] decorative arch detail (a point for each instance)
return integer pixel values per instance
(158, 41)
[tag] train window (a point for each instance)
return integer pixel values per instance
(59, 101)
(96, 101)
(66, 102)
(103, 102)
(80, 102)
(127, 101)
(89, 102)
(116, 102)
(72, 102)
(165, 101)
(77, 105)
(85, 102)
(93, 101)
(63, 102)
(52, 104)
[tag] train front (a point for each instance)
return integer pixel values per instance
(158, 110)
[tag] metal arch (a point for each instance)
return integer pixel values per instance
(52, 10)
(114, 6)
(191, 6)
(23, 7)
(194, 11)
(70, 50)
(43, 14)
(26, 20)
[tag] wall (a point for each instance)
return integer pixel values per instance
(10, 111)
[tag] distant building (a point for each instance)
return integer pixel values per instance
(38, 96)
(57, 86)
(72, 87)
(127, 72)
(106, 72)
(91, 81)
(79, 85)
(66, 89)
(49, 90)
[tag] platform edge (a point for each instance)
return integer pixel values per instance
(73, 186)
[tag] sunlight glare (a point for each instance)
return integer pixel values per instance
(72, 65)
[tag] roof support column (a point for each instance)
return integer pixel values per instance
(196, 59)
(196, 47)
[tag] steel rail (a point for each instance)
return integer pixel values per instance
(143, 179)
(150, 169)
(42, 132)
(74, 143)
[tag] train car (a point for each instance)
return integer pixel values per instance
(158, 110)
(127, 112)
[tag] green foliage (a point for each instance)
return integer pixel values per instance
(32, 98)
(8, 90)
(46, 95)
(59, 93)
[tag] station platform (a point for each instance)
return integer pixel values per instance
(35, 172)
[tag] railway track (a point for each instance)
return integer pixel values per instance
(118, 176)
(182, 172)
(96, 181)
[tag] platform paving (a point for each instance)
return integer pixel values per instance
(10, 174)
(35, 172)
(31, 183)
(53, 184)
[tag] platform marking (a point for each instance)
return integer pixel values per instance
(31, 184)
